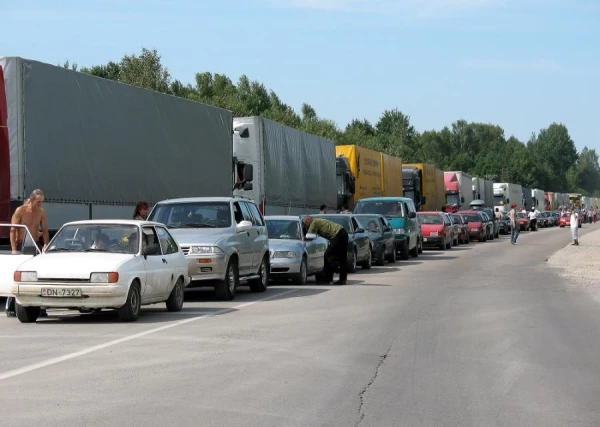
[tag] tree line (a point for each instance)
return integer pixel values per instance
(548, 160)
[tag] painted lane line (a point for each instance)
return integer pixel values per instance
(54, 361)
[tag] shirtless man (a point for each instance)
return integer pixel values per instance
(32, 216)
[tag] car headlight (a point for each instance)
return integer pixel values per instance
(285, 254)
(399, 230)
(25, 276)
(206, 250)
(112, 277)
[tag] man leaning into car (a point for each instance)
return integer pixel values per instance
(337, 250)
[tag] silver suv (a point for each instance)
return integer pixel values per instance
(223, 238)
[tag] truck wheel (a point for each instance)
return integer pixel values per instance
(380, 258)
(352, 264)
(260, 284)
(301, 277)
(27, 314)
(175, 301)
(366, 265)
(133, 304)
(225, 289)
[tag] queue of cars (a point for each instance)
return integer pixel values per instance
(223, 243)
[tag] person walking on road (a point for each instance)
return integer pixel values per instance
(337, 250)
(575, 227)
(515, 227)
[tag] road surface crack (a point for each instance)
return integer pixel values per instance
(361, 395)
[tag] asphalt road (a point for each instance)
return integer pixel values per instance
(481, 335)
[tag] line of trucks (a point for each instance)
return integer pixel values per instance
(96, 147)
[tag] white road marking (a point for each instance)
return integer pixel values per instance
(54, 361)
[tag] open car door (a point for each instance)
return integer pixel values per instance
(9, 262)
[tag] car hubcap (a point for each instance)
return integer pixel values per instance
(354, 260)
(303, 272)
(231, 278)
(179, 293)
(134, 300)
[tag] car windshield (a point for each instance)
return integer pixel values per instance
(452, 199)
(112, 238)
(286, 229)
(344, 221)
(193, 215)
(369, 223)
(456, 219)
(473, 217)
(391, 208)
(430, 219)
(25, 245)
(521, 215)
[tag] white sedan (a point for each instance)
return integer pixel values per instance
(103, 264)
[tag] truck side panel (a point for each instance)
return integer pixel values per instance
(95, 140)
(299, 167)
(391, 176)
(365, 165)
(465, 188)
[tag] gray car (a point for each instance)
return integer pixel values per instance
(292, 256)
(224, 240)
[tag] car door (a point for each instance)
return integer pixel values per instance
(156, 267)
(412, 226)
(361, 239)
(243, 240)
(10, 262)
(259, 233)
(172, 259)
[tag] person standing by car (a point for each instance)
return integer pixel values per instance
(575, 227)
(141, 211)
(533, 215)
(33, 216)
(337, 250)
(514, 224)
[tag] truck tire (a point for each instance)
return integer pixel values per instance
(27, 314)
(133, 304)
(301, 277)
(225, 289)
(260, 284)
(175, 301)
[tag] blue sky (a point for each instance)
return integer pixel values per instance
(519, 64)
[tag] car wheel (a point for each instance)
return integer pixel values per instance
(420, 246)
(301, 278)
(392, 257)
(352, 264)
(366, 265)
(260, 284)
(404, 251)
(133, 304)
(225, 289)
(415, 252)
(380, 258)
(27, 314)
(175, 301)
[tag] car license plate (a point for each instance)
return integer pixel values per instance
(61, 293)
(433, 234)
(424, 239)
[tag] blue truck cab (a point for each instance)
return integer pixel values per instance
(402, 215)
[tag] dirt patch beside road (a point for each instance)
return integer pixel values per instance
(580, 264)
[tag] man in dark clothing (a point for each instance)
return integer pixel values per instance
(337, 250)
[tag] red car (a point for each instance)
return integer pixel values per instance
(436, 229)
(564, 221)
(475, 224)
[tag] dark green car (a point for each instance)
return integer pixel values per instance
(381, 235)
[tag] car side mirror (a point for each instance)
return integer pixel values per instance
(244, 226)
(247, 186)
(462, 199)
(360, 230)
(412, 214)
(310, 236)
